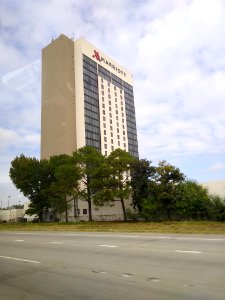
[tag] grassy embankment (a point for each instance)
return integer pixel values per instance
(192, 227)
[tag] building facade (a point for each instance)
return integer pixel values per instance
(87, 100)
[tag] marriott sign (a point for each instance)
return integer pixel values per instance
(97, 56)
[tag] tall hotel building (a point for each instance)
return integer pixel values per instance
(87, 99)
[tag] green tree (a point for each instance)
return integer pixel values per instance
(65, 181)
(167, 178)
(88, 160)
(142, 174)
(115, 182)
(192, 200)
(31, 177)
(217, 208)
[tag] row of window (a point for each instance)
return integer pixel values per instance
(90, 69)
(91, 103)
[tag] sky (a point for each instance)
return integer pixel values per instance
(175, 50)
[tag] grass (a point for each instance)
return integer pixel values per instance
(188, 227)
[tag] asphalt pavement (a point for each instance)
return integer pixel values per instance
(97, 266)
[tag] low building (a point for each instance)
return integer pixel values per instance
(12, 214)
(216, 187)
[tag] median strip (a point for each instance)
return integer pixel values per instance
(21, 259)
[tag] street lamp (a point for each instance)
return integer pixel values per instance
(8, 200)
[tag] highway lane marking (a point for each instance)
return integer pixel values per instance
(125, 236)
(188, 251)
(18, 240)
(109, 246)
(21, 259)
(56, 242)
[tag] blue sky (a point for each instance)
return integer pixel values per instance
(175, 50)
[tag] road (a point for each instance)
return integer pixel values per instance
(97, 266)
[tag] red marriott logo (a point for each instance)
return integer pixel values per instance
(96, 55)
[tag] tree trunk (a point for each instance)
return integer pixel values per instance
(41, 219)
(66, 210)
(168, 214)
(89, 211)
(124, 210)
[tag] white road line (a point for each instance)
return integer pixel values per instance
(125, 236)
(109, 246)
(188, 251)
(56, 242)
(18, 240)
(20, 259)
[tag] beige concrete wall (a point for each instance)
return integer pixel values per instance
(58, 128)
(105, 213)
(215, 187)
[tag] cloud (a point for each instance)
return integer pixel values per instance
(217, 167)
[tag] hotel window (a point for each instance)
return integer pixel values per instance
(121, 108)
(123, 132)
(118, 136)
(105, 139)
(110, 108)
(111, 128)
(102, 80)
(123, 126)
(122, 120)
(110, 121)
(116, 105)
(122, 114)
(110, 115)
(105, 152)
(118, 130)
(112, 147)
(103, 111)
(108, 84)
(115, 94)
(118, 143)
(117, 112)
(124, 145)
(109, 96)
(108, 90)
(111, 134)
(114, 88)
(110, 102)
(105, 146)
(103, 99)
(103, 118)
(121, 97)
(102, 86)
(104, 132)
(115, 99)
(103, 105)
(121, 92)
(111, 141)
(117, 118)
(121, 103)
(104, 125)
(117, 124)
(102, 93)
(124, 138)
